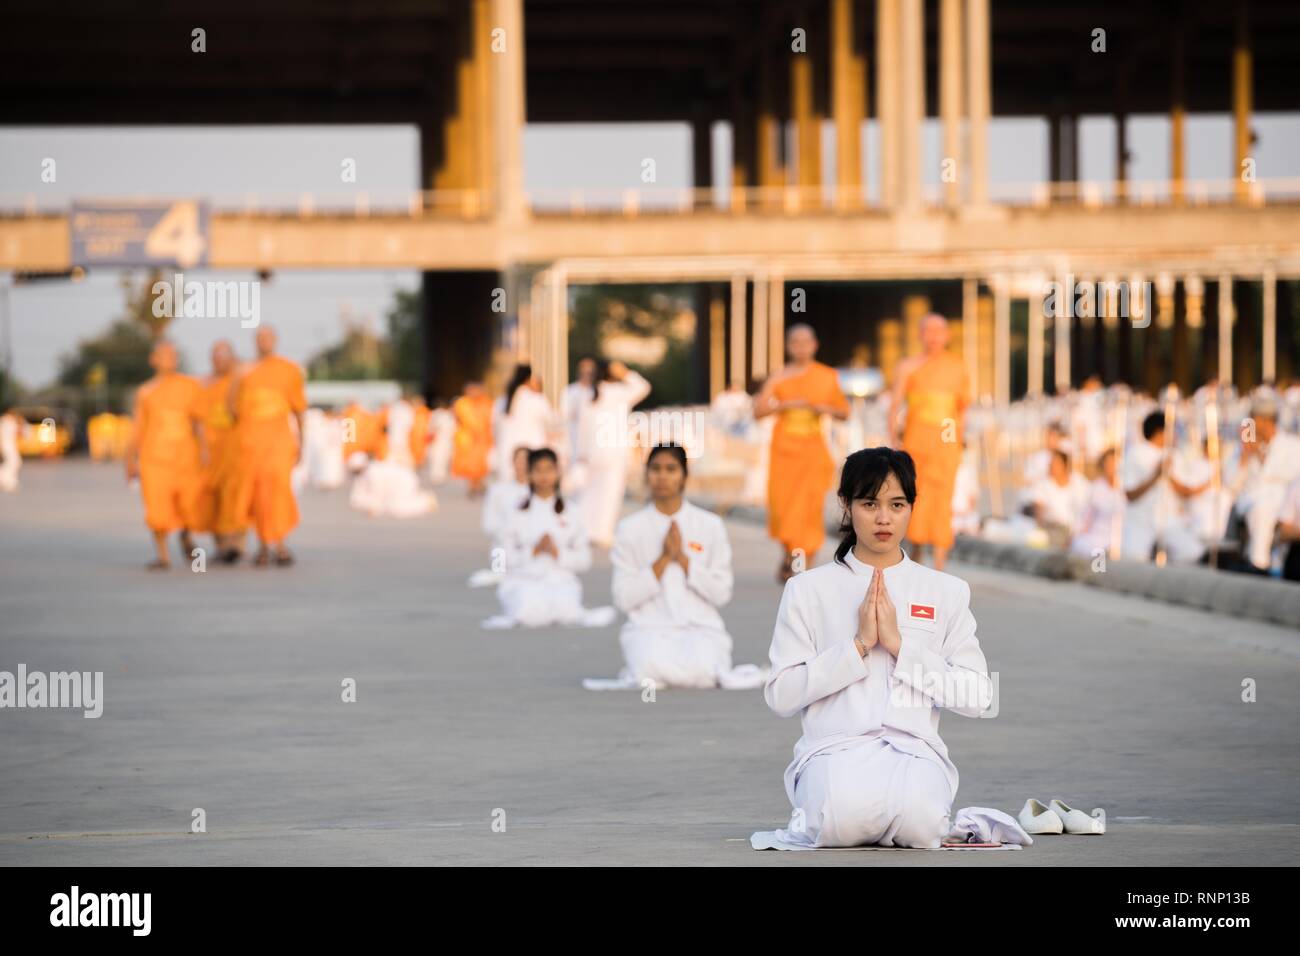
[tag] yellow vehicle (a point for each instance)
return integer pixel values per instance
(45, 433)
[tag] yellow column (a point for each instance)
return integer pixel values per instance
(738, 331)
(915, 308)
(807, 130)
(950, 87)
(848, 94)
(771, 176)
(776, 323)
(889, 347)
(979, 97)
(1241, 99)
(717, 342)
(887, 91)
(912, 101)
(987, 334)
(1177, 120)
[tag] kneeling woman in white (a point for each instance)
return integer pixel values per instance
(672, 571)
(867, 649)
(545, 545)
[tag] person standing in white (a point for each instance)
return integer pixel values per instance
(545, 545)
(1103, 513)
(1153, 514)
(672, 571)
(866, 650)
(10, 460)
(1272, 461)
(603, 447)
(524, 419)
(443, 423)
(573, 400)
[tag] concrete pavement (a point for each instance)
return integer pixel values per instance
(222, 692)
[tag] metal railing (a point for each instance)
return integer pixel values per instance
(648, 201)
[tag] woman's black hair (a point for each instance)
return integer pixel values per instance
(1152, 424)
(669, 448)
(522, 374)
(534, 456)
(863, 473)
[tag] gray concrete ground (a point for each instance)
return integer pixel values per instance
(223, 692)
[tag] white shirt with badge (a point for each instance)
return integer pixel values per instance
(674, 634)
(845, 699)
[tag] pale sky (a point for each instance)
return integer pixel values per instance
(227, 164)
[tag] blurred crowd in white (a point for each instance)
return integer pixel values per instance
(1213, 477)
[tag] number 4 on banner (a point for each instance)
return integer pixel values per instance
(177, 236)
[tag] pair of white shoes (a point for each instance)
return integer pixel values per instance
(1056, 817)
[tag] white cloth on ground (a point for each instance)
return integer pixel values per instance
(987, 825)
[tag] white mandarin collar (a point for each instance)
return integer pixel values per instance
(858, 566)
(665, 518)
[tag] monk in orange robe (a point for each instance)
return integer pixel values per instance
(264, 397)
(936, 390)
(217, 501)
(800, 468)
(165, 452)
(473, 439)
(363, 431)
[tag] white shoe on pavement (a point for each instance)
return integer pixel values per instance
(1076, 821)
(1036, 818)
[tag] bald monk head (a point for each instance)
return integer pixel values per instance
(164, 357)
(801, 342)
(266, 340)
(223, 358)
(934, 333)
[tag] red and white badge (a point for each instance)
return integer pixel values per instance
(695, 545)
(923, 612)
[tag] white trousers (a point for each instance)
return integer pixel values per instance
(1261, 521)
(869, 794)
(675, 656)
(602, 498)
(1182, 546)
(538, 596)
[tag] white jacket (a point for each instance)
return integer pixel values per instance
(525, 527)
(678, 598)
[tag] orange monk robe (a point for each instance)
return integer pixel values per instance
(217, 503)
(937, 393)
(420, 436)
(170, 476)
(473, 439)
(268, 450)
(367, 433)
(800, 469)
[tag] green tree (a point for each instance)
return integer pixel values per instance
(119, 356)
(657, 317)
(359, 356)
(404, 335)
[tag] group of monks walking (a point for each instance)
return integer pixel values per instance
(216, 456)
(935, 390)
